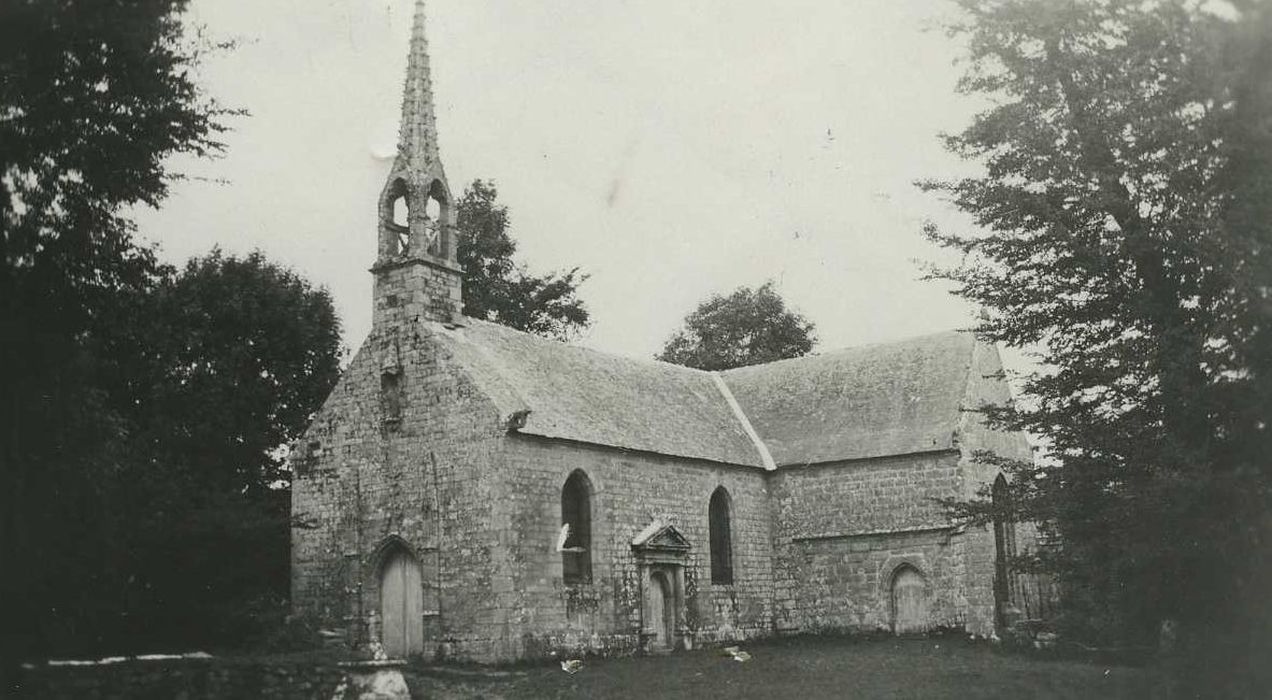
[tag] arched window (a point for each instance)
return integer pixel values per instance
(401, 213)
(576, 520)
(435, 210)
(396, 214)
(1004, 545)
(721, 537)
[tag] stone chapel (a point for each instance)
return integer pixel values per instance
(478, 493)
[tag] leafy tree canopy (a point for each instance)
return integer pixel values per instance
(1125, 216)
(246, 352)
(141, 411)
(239, 353)
(498, 289)
(747, 327)
(95, 97)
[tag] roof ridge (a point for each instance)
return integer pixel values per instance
(765, 457)
(694, 370)
(850, 348)
(575, 346)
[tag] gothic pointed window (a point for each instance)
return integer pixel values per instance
(1004, 545)
(576, 526)
(721, 537)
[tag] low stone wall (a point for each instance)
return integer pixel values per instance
(192, 679)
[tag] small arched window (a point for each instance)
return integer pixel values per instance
(721, 537)
(576, 522)
(391, 397)
(435, 208)
(396, 213)
(401, 213)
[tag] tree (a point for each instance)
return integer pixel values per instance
(94, 97)
(246, 352)
(1126, 215)
(205, 377)
(240, 353)
(498, 289)
(747, 327)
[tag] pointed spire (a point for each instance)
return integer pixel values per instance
(417, 219)
(417, 177)
(417, 135)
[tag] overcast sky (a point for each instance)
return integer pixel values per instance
(670, 149)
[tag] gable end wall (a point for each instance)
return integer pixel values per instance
(361, 483)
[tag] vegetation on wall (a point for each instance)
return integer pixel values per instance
(746, 327)
(1125, 216)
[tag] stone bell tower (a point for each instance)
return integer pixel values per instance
(417, 275)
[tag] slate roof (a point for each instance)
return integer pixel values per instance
(580, 394)
(872, 401)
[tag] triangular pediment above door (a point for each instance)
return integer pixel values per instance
(660, 535)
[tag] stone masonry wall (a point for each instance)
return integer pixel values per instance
(814, 547)
(885, 494)
(364, 480)
(413, 289)
(842, 529)
(540, 614)
(845, 582)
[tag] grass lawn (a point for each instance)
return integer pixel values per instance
(806, 668)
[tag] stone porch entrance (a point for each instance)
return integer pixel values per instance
(661, 553)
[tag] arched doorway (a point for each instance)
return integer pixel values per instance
(909, 601)
(661, 552)
(401, 605)
(662, 611)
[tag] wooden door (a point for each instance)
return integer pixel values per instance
(909, 602)
(402, 606)
(661, 611)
